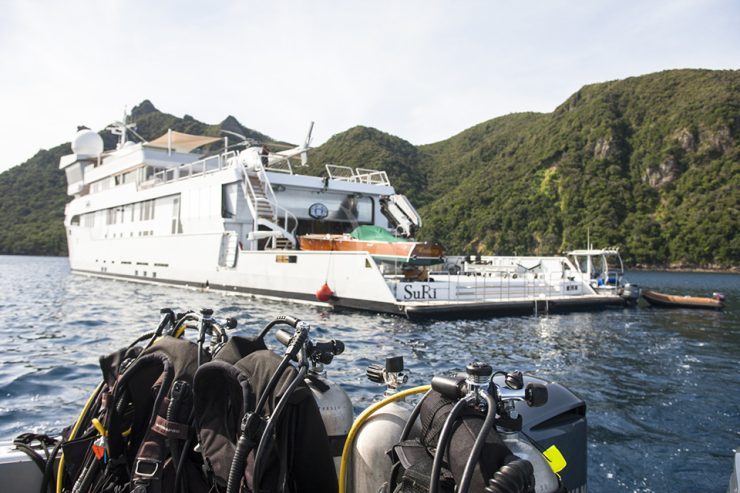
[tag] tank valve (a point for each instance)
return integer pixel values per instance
(514, 380)
(477, 379)
(392, 374)
(478, 373)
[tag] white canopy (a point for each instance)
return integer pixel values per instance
(181, 142)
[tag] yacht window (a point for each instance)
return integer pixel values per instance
(88, 220)
(75, 221)
(176, 225)
(129, 177)
(354, 209)
(146, 210)
(228, 200)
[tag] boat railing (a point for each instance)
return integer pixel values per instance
(372, 177)
(280, 164)
(357, 175)
(337, 172)
(278, 213)
(251, 196)
(200, 167)
(505, 285)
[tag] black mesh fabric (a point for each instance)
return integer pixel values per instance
(416, 456)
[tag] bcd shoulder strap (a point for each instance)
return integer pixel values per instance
(156, 389)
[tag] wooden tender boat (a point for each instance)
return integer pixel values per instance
(717, 302)
(383, 246)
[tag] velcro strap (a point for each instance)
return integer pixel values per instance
(170, 429)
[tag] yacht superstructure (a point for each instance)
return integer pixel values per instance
(163, 212)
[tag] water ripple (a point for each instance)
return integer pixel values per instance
(661, 385)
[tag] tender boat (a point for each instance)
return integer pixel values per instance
(603, 269)
(379, 243)
(716, 302)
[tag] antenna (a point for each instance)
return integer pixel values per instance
(306, 144)
(121, 128)
(245, 141)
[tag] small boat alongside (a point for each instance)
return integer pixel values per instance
(379, 243)
(603, 270)
(716, 302)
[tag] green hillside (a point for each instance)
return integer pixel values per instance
(32, 195)
(649, 163)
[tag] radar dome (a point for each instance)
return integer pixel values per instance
(87, 143)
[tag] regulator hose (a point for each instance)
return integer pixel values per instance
(478, 445)
(73, 433)
(267, 434)
(246, 443)
(515, 477)
(180, 389)
(48, 480)
(243, 447)
(444, 438)
(361, 420)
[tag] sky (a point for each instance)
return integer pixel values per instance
(422, 70)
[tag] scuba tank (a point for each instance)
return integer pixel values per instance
(334, 404)
(517, 430)
(544, 477)
(370, 463)
(557, 429)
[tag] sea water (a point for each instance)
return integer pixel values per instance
(662, 385)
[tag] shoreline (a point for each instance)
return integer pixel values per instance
(688, 269)
(638, 268)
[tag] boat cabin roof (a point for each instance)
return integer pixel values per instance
(592, 252)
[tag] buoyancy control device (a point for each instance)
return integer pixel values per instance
(221, 415)
(536, 438)
(260, 426)
(135, 436)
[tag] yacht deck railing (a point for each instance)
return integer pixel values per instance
(200, 167)
(358, 175)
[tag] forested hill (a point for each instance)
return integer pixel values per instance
(649, 163)
(33, 194)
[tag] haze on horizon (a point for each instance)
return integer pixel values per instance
(421, 70)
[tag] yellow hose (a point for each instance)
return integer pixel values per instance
(361, 420)
(179, 331)
(73, 433)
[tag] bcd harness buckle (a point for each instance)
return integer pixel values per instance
(146, 468)
(253, 425)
